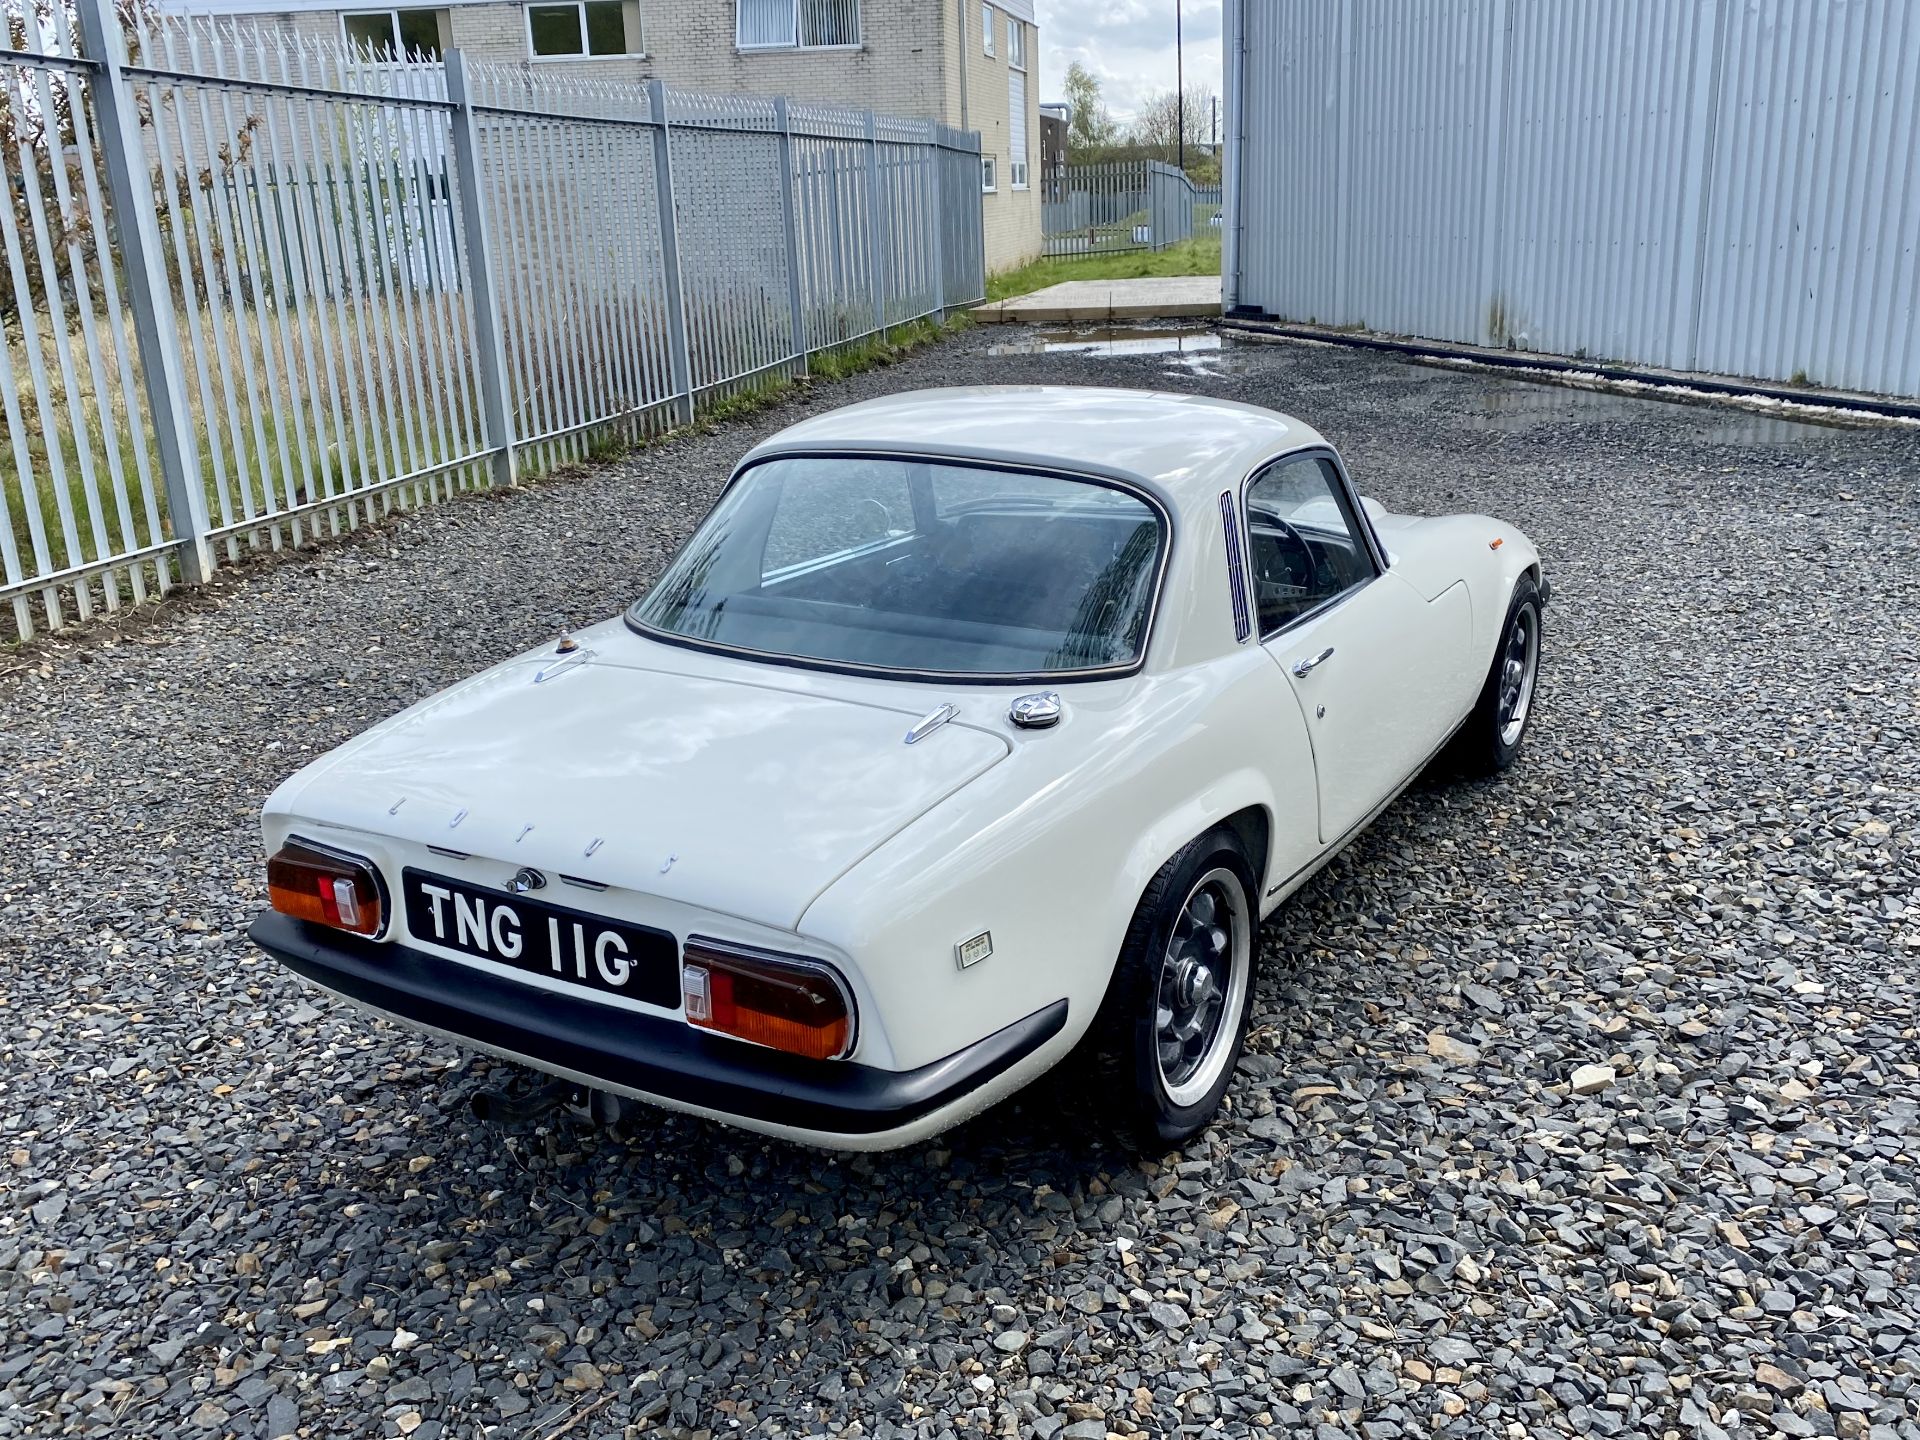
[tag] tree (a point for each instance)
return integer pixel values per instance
(1090, 125)
(1157, 127)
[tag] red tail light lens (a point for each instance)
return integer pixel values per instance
(326, 887)
(782, 1002)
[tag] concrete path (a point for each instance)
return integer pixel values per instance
(1159, 297)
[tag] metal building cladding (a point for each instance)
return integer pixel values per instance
(1725, 186)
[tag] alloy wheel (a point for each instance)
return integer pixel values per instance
(1519, 664)
(1203, 986)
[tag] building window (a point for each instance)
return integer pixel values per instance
(1016, 43)
(393, 34)
(986, 28)
(786, 24)
(580, 28)
(988, 182)
(1016, 125)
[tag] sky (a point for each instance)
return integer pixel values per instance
(1128, 45)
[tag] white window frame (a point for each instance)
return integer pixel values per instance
(1017, 172)
(860, 18)
(986, 27)
(989, 175)
(392, 12)
(526, 22)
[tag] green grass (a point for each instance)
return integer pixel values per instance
(1198, 256)
(835, 364)
(883, 349)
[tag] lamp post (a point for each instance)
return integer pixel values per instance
(1179, 91)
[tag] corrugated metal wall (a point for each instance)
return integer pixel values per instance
(1715, 185)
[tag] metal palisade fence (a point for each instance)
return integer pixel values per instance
(257, 288)
(1114, 205)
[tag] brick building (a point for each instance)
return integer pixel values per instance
(968, 63)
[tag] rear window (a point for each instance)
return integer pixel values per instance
(917, 566)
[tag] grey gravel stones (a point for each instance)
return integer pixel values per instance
(1592, 1079)
(1701, 876)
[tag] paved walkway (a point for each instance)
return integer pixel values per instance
(1158, 297)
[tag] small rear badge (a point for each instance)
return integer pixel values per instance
(972, 952)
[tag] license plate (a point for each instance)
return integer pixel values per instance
(571, 945)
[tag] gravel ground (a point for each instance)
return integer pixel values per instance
(236, 1209)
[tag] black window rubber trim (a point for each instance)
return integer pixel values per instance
(650, 1054)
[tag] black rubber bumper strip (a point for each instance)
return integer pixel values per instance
(652, 1055)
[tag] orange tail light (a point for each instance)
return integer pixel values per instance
(782, 1002)
(310, 882)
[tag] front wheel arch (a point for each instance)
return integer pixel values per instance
(1479, 747)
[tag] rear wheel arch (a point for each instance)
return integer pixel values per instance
(1254, 826)
(1124, 1034)
(1241, 800)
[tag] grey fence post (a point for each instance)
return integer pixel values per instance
(978, 279)
(790, 224)
(490, 352)
(937, 160)
(157, 337)
(680, 370)
(874, 254)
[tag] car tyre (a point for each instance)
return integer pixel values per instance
(1170, 1029)
(1490, 739)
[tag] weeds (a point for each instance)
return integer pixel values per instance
(606, 446)
(836, 363)
(885, 348)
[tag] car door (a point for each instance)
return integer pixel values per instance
(1367, 655)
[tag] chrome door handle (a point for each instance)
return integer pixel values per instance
(1304, 668)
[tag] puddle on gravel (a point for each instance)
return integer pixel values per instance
(1197, 352)
(1501, 406)
(1516, 407)
(1110, 341)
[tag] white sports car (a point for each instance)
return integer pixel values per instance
(970, 728)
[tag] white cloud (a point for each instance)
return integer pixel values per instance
(1128, 45)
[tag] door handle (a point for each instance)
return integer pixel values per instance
(1304, 668)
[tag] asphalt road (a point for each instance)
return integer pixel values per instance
(233, 1208)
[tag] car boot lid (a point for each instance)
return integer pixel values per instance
(710, 789)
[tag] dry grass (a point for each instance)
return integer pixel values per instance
(289, 408)
(286, 408)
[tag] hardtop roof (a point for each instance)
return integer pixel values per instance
(1183, 447)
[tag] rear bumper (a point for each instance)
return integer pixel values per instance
(834, 1103)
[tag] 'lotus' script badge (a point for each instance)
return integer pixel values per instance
(525, 879)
